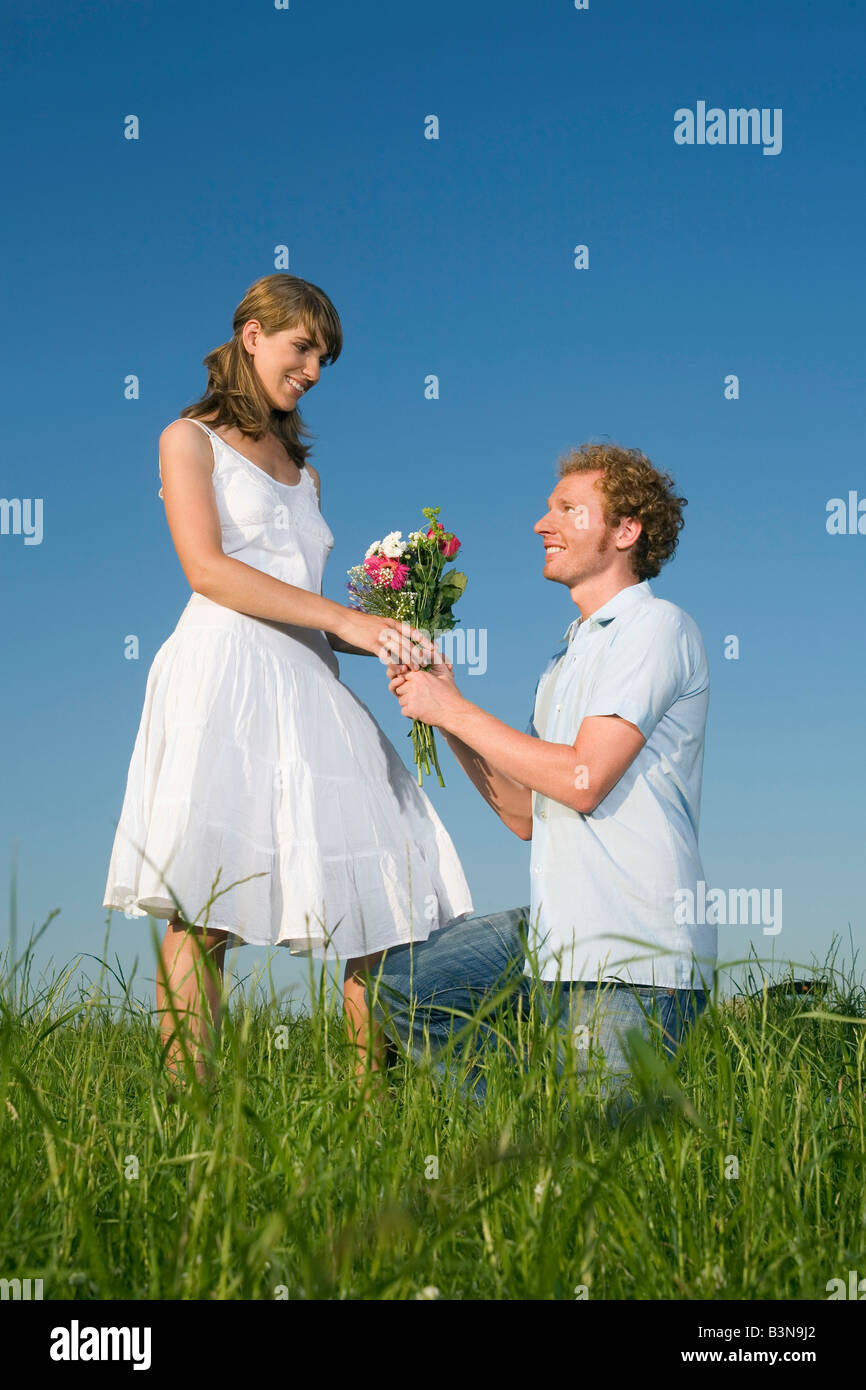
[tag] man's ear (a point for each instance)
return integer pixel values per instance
(629, 531)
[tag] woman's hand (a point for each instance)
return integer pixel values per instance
(382, 637)
(364, 631)
(410, 647)
(436, 665)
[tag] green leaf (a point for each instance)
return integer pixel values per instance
(454, 579)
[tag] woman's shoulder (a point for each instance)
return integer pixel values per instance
(178, 440)
(179, 428)
(184, 432)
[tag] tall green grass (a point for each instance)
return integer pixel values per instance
(278, 1180)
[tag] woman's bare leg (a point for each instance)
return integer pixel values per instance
(188, 993)
(362, 1028)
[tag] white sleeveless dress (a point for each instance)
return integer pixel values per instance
(258, 779)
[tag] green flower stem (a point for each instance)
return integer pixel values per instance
(424, 745)
(435, 759)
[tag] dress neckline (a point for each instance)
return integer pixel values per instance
(291, 486)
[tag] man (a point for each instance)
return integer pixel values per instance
(606, 783)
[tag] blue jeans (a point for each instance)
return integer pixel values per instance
(423, 994)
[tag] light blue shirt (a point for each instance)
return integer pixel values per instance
(615, 873)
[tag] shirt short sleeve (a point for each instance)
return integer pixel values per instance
(651, 662)
(530, 723)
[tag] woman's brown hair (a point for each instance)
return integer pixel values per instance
(233, 388)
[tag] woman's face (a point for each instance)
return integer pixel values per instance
(288, 362)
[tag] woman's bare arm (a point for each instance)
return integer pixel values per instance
(186, 459)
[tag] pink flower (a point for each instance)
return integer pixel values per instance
(448, 542)
(387, 572)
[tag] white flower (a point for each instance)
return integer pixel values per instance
(393, 545)
(429, 1291)
(373, 549)
(415, 536)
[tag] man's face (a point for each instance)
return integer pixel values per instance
(578, 543)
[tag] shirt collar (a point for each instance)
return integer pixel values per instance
(632, 593)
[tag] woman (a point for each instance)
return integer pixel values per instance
(263, 804)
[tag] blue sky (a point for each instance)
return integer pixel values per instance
(305, 127)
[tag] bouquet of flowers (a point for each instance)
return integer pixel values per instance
(407, 580)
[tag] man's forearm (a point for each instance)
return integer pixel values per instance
(578, 775)
(547, 768)
(511, 801)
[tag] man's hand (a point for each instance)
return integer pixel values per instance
(432, 691)
(430, 696)
(433, 696)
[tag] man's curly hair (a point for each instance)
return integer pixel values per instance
(631, 487)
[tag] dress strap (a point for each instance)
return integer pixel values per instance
(199, 422)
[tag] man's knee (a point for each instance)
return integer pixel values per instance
(427, 985)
